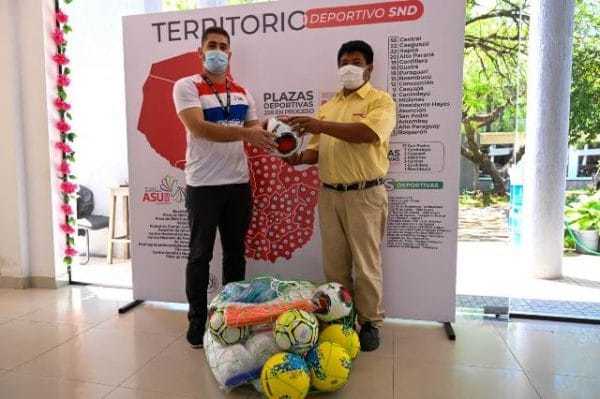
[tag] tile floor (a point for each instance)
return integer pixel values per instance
(71, 343)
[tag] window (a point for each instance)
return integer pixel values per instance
(587, 166)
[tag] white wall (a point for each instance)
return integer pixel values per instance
(14, 260)
(27, 227)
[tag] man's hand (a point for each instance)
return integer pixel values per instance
(306, 157)
(294, 160)
(259, 137)
(305, 124)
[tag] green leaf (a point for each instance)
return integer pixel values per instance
(71, 136)
(71, 220)
(71, 240)
(67, 260)
(67, 70)
(67, 28)
(68, 115)
(72, 177)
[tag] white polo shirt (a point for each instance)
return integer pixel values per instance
(210, 163)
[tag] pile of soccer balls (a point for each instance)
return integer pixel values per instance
(307, 359)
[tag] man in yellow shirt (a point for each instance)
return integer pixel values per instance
(350, 144)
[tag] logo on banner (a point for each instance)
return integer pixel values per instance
(364, 14)
(397, 185)
(168, 191)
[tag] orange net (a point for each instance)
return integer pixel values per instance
(239, 315)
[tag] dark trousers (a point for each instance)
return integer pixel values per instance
(227, 208)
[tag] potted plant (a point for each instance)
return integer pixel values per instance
(584, 217)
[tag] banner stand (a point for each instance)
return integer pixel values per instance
(130, 306)
(419, 47)
(449, 331)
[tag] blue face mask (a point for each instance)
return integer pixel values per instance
(216, 61)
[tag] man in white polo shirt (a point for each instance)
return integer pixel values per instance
(219, 115)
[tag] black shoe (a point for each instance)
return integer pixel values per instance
(369, 337)
(195, 334)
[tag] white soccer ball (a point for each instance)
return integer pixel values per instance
(334, 301)
(296, 331)
(224, 334)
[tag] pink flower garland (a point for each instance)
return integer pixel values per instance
(61, 17)
(63, 126)
(59, 37)
(66, 208)
(68, 189)
(63, 80)
(64, 147)
(67, 229)
(64, 168)
(61, 59)
(61, 105)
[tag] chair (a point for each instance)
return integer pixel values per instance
(86, 221)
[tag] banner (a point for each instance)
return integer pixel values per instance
(285, 54)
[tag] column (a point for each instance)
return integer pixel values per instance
(549, 82)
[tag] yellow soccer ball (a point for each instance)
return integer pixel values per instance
(285, 376)
(329, 366)
(344, 336)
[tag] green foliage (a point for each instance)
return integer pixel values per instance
(569, 242)
(179, 5)
(584, 118)
(494, 67)
(496, 37)
(481, 199)
(584, 214)
(574, 196)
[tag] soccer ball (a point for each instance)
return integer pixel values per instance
(285, 376)
(344, 336)
(329, 366)
(296, 331)
(333, 300)
(223, 334)
(288, 142)
(261, 346)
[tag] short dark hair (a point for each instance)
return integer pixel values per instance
(217, 30)
(356, 46)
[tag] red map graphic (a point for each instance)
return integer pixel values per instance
(158, 120)
(284, 206)
(284, 198)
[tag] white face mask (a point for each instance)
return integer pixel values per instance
(216, 61)
(351, 76)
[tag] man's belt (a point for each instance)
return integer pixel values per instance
(355, 186)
